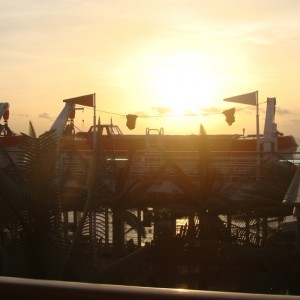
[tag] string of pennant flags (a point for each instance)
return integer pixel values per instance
(250, 99)
(131, 118)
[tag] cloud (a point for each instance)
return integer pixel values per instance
(162, 110)
(21, 115)
(211, 109)
(295, 121)
(142, 114)
(190, 113)
(282, 111)
(45, 116)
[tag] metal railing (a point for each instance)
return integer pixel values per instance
(21, 289)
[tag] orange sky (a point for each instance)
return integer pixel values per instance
(150, 58)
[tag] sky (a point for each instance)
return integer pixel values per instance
(171, 63)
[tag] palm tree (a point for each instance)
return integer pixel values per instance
(33, 241)
(33, 209)
(105, 198)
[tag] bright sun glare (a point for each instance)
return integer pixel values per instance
(184, 82)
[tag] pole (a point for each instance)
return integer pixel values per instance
(94, 121)
(257, 123)
(257, 136)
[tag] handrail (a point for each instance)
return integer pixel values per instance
(60, 290)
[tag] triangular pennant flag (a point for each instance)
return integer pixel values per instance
(87, 100)
(250, 99)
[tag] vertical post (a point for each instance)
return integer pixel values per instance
(257, 137)
(94, 121)
(258, 237)
(264, 230)
(229, 224)
(75, 219)
(257, 122)
(139, 215)
(297, 215)
(66, 223)
(247, 225)
(298, 231)
(106, 226)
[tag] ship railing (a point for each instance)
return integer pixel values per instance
(232, 164)
(22, 288)
(190, 163)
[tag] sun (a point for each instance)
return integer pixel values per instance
(185, 82)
